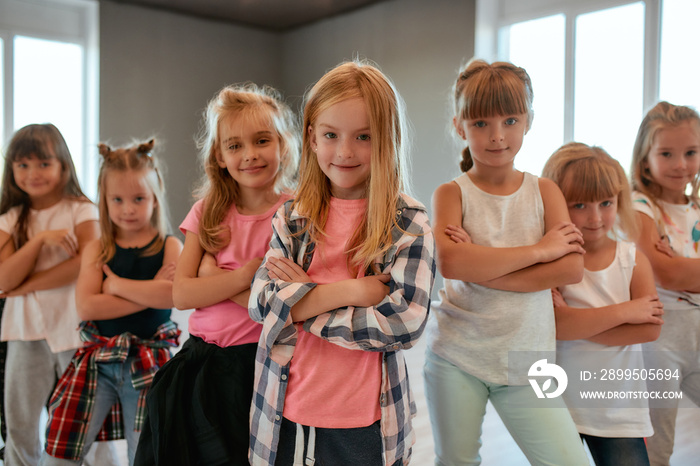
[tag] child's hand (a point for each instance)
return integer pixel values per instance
(109, 284)
(63, 238)
(457, 234)
(558, 299)
(645, 310)
(562, 239)
(371, 290)
(251, 267)
(208, 266)
(166, 272)
(663, 246)
(286, 270)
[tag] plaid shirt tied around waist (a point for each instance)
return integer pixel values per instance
(73, 399)
(394, 324)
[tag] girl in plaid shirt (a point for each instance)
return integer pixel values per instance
(344, 287)
(124, 297)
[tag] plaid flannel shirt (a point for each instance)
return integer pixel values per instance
(394, 324)
(73, 399)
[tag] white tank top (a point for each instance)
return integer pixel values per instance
(475, 327)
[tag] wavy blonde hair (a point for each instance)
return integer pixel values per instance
(387, 179)
(662, 115)
(483, 90)
(588, 174)
(134, 158)
(218, 189)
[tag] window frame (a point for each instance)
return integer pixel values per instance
(69, 21)
(491, 42)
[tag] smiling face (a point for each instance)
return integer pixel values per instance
(341, 139)
(493, 141)
(249, 149)
(130, 201)
(674, 160)
(594, 219)
(41, 179)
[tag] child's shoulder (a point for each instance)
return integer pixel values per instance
(407, 202)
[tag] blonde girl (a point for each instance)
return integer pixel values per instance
(199, 406)
(504, 238)
(665, 181)
(45, 223)
(602, 320)
(124, 296)
(344, 287)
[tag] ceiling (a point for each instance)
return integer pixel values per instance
(274, 15)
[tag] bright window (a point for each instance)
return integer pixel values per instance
(50, 74)
(58, 100)
(596, 66)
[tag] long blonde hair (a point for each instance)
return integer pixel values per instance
(483, 90)
(387, 179)
(218, 189)
(134, 158)
(662, 115)
(42, 141)
(588, 174)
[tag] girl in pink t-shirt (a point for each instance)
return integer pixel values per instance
(199, 403)
(344, 287)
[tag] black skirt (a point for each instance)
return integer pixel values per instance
(198, 407)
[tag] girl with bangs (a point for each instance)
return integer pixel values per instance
(612, 310)
(344, 287)
(199, 404)
(504, 239)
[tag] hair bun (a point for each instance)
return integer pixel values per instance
(104, 150)
(146, 147)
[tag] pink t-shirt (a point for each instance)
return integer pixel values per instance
(226, 323)
(331, 386)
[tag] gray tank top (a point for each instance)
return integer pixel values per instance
(475, 327)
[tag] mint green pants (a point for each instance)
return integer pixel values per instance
(457, 404)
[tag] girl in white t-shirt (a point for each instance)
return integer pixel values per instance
(665, 181)
(199, 403)
(45, 221)
(602, 320)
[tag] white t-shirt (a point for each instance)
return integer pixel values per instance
(627, 418)
(48, 315)
(680, 223)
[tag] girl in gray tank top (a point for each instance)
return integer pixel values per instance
(504, 239)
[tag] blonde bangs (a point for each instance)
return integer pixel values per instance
(586, 180)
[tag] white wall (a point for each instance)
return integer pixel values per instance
(158, 71)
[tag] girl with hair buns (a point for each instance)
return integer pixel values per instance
(504, 239)
(199, 406)
(124, 297)
(45, 224)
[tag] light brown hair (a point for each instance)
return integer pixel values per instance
(588, 174)
(662, 115)
(483, 90)
(137, 158)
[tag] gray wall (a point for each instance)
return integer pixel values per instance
(158, 70)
